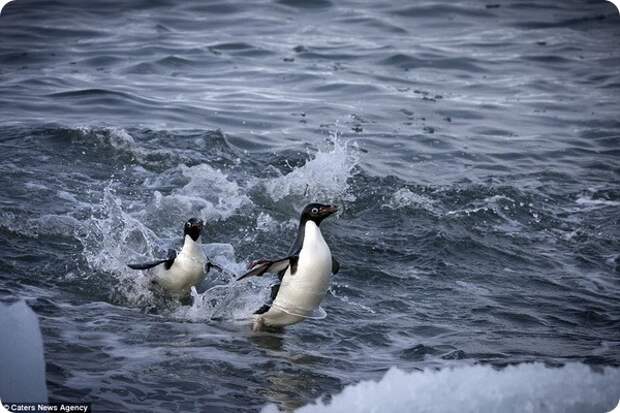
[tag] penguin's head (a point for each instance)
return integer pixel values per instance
(317, 212)
(193, 228)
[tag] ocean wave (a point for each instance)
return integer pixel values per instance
(403, 198)
(591, 202)
(117, 138)
(521, 388)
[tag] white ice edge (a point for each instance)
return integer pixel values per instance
(532, 387)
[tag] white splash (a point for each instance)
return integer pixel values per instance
(231, 301)
(266, 223)
(115, 235)
(208, 192)
(325, 177)
(111, 239)
(574, 388)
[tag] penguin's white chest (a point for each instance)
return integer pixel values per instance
(187, 270)
(302, 292)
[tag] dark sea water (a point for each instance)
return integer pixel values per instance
(473, 147)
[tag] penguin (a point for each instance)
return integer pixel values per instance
(304, 274)
(179, 272)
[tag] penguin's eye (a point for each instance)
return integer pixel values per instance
(315, 211)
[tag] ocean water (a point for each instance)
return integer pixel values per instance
(473, 148)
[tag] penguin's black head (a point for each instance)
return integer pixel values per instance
(193, 228)
(317, 212)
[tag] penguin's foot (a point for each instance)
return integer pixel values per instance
(258, 324)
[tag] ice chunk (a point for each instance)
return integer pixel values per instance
(574, 388)
(22, 366)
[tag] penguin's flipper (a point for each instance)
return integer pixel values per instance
(335, 266)
(210, 264)
(146, 265)
(172, 254)
(260, 267)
